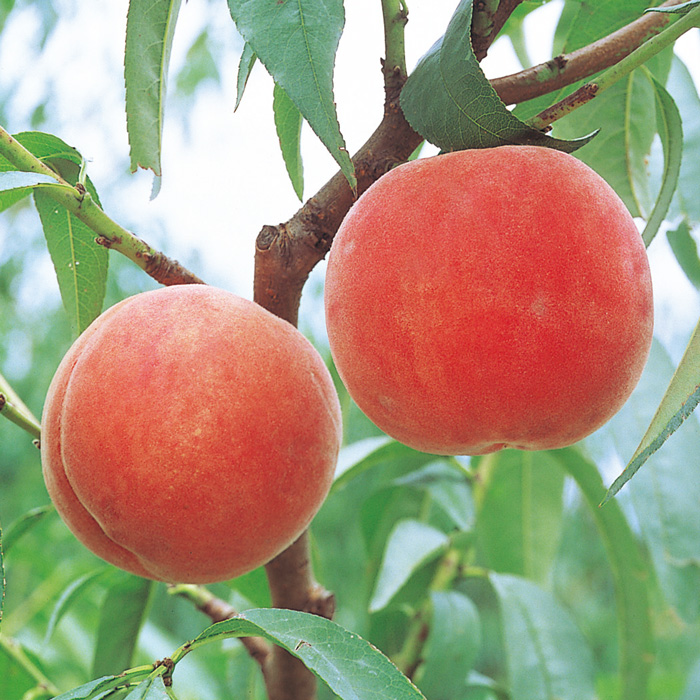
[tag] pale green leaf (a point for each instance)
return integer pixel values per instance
(685, 249)
(24, 524)
(410, 545)
(149, 36)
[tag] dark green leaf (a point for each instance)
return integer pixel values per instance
(80, 264)
(122, 614)
(449, 101)
(630, 576)
(296, 40)
(410, 545)
(520, 505)
(453, 643)
(24, 524)
(670, 129)
(546, 654)
(351, 667)
(686, 251)
(288, 126)
(245, 66)
(149, 36)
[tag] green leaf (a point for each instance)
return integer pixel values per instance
(454, 642)
(92, 688)
(449, 101)
(150, 689)
(123, 612)
(670, 129)
(630, 576)
(150, 29)
(71, 594)
(80, 264)
(17, 180)
(288, 126)
(24, 524)
(546, 654)
(351, 667)
(15, 678)
(296, 40)
(682, 9)
(682, 87)
(519, 512)
(245, 66)
(679, 401)
(686, 251)
(410, 545)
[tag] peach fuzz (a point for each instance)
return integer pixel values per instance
(189, 435)
(491, 298)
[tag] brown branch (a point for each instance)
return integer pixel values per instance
(566, 69)
(489, 18)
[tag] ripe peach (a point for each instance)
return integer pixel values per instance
(189, 435)
(489, 298)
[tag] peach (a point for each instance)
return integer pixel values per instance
(491, 298)
(189, 435)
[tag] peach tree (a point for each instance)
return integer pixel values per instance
(567, 573)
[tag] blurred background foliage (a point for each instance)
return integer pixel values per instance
(62, 608)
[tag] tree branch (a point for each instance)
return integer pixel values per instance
(566, 69)
(488, 19)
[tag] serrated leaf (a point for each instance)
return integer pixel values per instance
(288, 125)
(24, 524)
(410, 545)
(72, 593)
(449, 101)
(679, 401)
(80, 264)
(629, 572)
(121, 616)
(546, 654)
(245, 66)
(351, 667)
(685, 249)
(519, 512)
(296, 40)
(150, 29)
(670, 129)
(454, 642)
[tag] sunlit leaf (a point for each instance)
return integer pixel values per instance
(449, 101)
(351, 667)
(410, 545)
(296, 41)
(149, 36)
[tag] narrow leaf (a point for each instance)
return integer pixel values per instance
(449, 101)
(519, 512)
(288, 125)
(24, 524)
(149, 36)
(670, 129)
(686, 251)
(546, 654)
(682, 9)
(122, 614)
(410, 545)
(630, 575)
(679, 401)
(454, 642)
(296, 40)
(71, 594)
(245, 66)
(81, 264)
(150, 689)
(351, 667)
